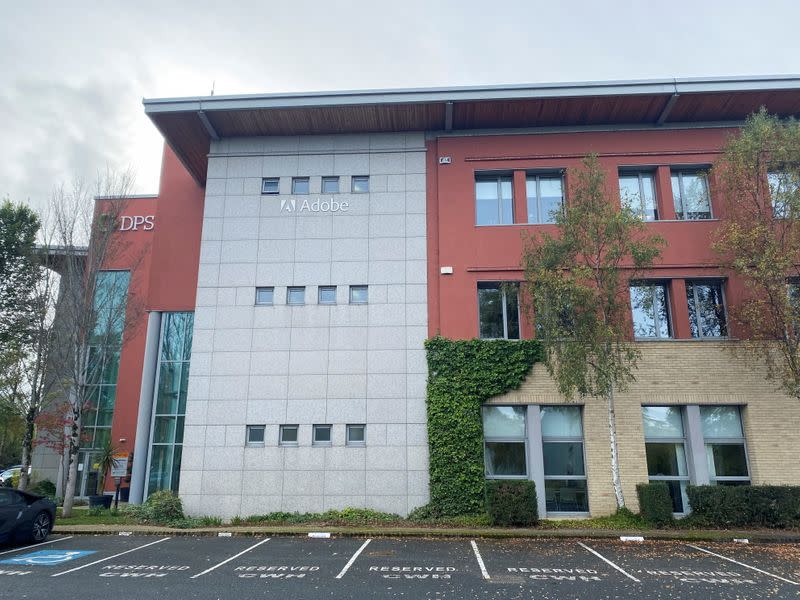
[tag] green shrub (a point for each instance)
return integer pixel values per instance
(45, 487)
(511, 502)
(160, 508)
(747, 505)
(655, 503)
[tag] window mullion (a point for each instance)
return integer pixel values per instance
(505, 312)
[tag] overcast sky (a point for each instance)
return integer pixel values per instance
(72, 74)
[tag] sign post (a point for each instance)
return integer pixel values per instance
(118, 470)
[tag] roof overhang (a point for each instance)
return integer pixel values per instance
(189, 124)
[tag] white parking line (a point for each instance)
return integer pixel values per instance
(352, 559)
(741, 564)
(110, 557)
(227, 560)
(604, 559)
(480, 560)
(36, 545)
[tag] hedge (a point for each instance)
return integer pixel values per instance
(462, 375)
(511, 502)
(655, 503)
(746, 505)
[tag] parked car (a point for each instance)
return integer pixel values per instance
(8, 473)
(25, 517)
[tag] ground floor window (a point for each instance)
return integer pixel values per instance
(541, 443)
(726, 455)
(665, 448)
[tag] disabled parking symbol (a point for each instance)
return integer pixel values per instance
(46, 557)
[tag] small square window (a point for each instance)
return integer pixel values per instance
(255, 434)
(321, 435)
(288, 435)
(359, 294)
(330, 185)
(300, 185)
(356, 435)
(265, 295)
(360, 184)
(296, 295)
(269, 185)
(327, 294)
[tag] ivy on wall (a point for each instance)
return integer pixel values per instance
(462, 375)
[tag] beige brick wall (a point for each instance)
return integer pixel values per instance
(679, 372)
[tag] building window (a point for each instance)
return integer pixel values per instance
(562, 451)
(326, 294)
(793, 293)
(359, 294)
(321, 435)
(690, 195)
(649, 309)
(665, 448)
(269, 185)
(505, 442)
(356, 435)
(169, 408)
(498, 310)
(637, 193)
(255, 435)
(287, 435)
(706, 309)
(300, 185)
(545, 197)
(494, 203)
(330, 185)
(265, 295)
(359, 184)
(296, 295)
(783, 193)
(724, 442)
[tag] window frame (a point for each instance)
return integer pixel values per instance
(359, 178)
(295, 288)
(640, 174)
(330, 179)
(506, 440)
(249, 429)
(296, 180)
(502, 287)
(707, 281)
(652, 283)
(318, 427)
(681, 172)
(328, 288)
(357, 443)
(357, 287)
(551, 439)
(284, 428)
(727, 441)
(672, 440)
(537, 176)
(265, 181)
(498, 179)
(268, 288)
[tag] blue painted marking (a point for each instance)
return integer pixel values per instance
(46, 557)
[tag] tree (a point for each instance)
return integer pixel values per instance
(90, 311)
(577, 287)
(759, 241)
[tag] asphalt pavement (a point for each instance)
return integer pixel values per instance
(238, 567)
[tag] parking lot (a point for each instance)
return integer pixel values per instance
(144, 567)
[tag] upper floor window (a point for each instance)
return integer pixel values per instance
(265, 295)
(793, 290)
(326, 294)
(498, 310)
(637, 192)
(296, 295)
(783, 189)
(359, 184)
(545, 197)
(269, 185)
(690, 195)
(359, 294)
(706, 309)
(300, 185)
(649, 309)
(724, 442)
(494, 203)
(330, 185)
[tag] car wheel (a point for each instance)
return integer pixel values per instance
(41, 527)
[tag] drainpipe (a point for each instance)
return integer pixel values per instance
(146, 394)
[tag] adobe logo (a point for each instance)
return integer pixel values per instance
(289, 205)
